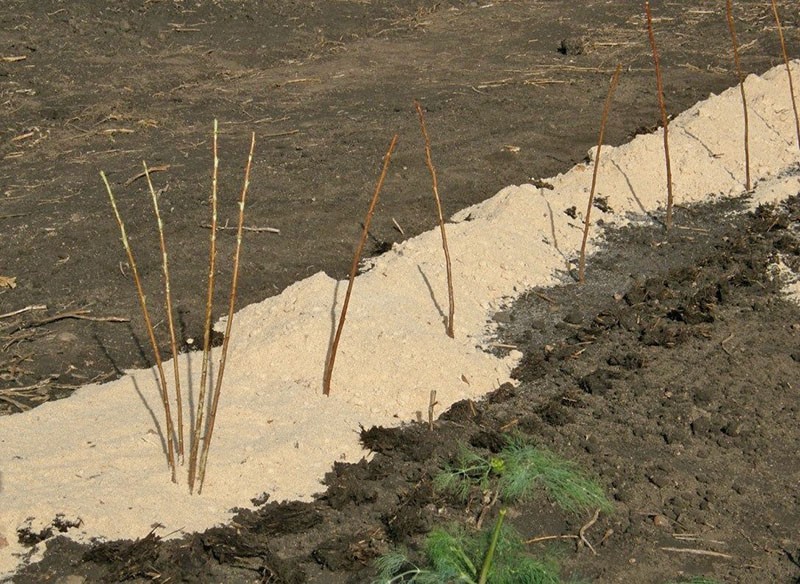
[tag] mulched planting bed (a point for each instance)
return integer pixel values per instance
(670, 378)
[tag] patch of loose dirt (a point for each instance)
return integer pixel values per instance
(671, 376)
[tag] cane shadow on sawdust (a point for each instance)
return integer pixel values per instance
(553, 233)
(433, 297)
(635, 196)
(120, 373)
(332, 335)
(187, 383)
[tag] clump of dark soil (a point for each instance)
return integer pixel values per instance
(670, 377)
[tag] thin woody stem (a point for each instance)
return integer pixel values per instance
(199, 421)
(435, 182)
(788, 69)
(328, 374)
(149, 324)
(587, 220)
(212, 414)
(664, 118)
(737, 62)
(170, 313)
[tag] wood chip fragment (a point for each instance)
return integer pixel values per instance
(8, 282)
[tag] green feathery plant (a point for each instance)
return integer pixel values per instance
(453, 555)
(516, 471)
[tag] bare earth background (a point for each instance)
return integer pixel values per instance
(330, 83)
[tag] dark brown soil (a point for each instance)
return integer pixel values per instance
(671, 377)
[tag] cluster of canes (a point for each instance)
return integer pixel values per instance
(203, 426)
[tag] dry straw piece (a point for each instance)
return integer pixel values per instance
(149, 324)
(587, 219)
(788, 69)
(663, 107)
(432, 169)
(328, 374)
(738, 64)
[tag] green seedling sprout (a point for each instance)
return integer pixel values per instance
(517, 471)
(496, 556)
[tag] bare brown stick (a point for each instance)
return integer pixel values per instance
(150, 333)
(26, 309)
(697, 552)
(278, 134)
(663, 107)
(587, 220)
(432, 403)
(199, 421)
(397, 226)
(19, 405)
(544, 297)
(581, 536)
(585, 528)
(170, 317)
(76, 314)
(694, 537)
(22, 389)
(429, 163)
(133, 179)
(212, 414)
(738, 64)
(788, 69)
(488, 502)
(253, 229)
(326, 378)
(550, 538)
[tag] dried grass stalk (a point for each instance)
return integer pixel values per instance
(663, 107)
(328, 374)
(738, 64)
(788, 69)
(587, 219)
(149, 324)
(432, 169)
(212, 414)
